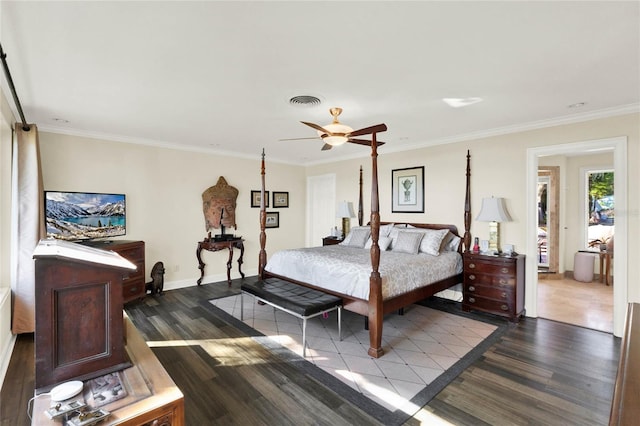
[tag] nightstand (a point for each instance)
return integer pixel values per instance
(494, 284)
(329, 241)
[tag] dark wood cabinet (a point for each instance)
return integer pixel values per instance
(494, 284)
(329, 241)
(79, 331)
(133, 286)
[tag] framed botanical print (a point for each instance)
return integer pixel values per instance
(273, 220)
(407, 190)
(255, 198)
(280, 199)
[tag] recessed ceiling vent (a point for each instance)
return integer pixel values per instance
(304, 100)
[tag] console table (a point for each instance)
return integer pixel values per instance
(210, 244)
(155, 399)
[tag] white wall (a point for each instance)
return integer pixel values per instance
(7, 340)
(164, 199)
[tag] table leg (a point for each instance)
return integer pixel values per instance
(607, 268)
(241, 247)
(229, 265)
(602, 256)
(200, 264)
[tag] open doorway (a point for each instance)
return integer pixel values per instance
(570, 230)
(548, 205)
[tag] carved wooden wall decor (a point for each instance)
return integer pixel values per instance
(220, 201)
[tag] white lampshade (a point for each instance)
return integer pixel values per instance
(493, 210)
(345, 209)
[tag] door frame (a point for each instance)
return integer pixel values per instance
(620, 291)
(553, 219)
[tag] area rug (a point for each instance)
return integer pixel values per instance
(425, 349)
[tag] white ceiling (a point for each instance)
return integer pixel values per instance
(218, 76)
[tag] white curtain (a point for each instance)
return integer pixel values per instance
(27, 225)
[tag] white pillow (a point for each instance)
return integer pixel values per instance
(383, 243)
(407, 242)
(432, 240)
(358, 237)
(450, 242)
(385, 230)
(347, 239)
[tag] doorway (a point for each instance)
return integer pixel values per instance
(548, 230)
(618, 146)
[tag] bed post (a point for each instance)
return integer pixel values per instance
(467, 207)
(360, 215)
(262, 256)
(375, 281)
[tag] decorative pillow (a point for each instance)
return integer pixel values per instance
(347, 239)
(453, 243)
(385, 230)
(432, 240)
(407, 242)
(358, 237)
(383, 243)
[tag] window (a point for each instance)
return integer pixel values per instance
(600, 200)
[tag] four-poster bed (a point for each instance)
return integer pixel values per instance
(375, 303)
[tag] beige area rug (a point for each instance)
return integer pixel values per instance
(425, 348)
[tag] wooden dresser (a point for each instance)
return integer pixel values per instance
(133, 286)
(163, 404)
(494, 284)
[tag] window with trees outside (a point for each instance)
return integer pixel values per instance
(601, 211)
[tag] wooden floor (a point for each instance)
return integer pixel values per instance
(540, 372)
(574, 302)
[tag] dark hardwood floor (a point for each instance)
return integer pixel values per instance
(540, 372)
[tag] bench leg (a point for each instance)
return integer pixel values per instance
(241, 306)
(304, 337)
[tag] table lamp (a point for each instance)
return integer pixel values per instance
(345, 211)
(494, 211)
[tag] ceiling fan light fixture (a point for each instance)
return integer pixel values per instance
(335, 140)
(337, 134)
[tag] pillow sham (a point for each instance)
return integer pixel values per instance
(358, 237)
(383, 243)
(432, 240)
(407, 242)
(347, 239)
(450, 242)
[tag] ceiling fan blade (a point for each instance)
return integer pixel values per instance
(364, 142)
(326, 147)
(297, 139)
(315, 126)
(368, 130)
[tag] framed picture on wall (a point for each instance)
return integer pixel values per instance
(273, 220)
(255, 198)
(407, 190)
(280, 199)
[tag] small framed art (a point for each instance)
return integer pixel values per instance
(407, 190)
(255, 198)
(273, 220)
(280, 199)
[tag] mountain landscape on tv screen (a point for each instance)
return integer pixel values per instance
(76, 216)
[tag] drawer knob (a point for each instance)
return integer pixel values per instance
(503, 281)
(472, 288)
(472, 277)
(504, 295)
(133, 289)
(472, 266)
(504, 307)
(472, 300)
(504, 270)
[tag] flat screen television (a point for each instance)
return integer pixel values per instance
(78, 216)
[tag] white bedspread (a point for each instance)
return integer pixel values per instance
(347, 270)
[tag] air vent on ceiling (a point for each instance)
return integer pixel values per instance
(304, 100)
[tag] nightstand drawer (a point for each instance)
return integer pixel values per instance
(496, 293)
(494, 306)
(501, 280)
(490, 268)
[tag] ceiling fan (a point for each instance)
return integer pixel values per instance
(336, 133)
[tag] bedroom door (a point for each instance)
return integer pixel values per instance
(321, 208)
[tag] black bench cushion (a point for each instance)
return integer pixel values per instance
(296, 298)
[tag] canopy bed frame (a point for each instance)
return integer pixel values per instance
(375, 307)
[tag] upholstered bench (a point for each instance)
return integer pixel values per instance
(297, 300)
